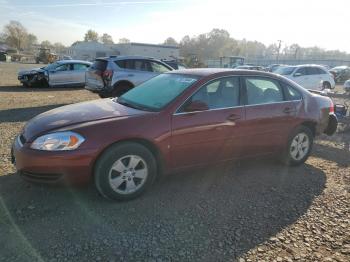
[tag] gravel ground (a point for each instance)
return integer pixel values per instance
(255, 210)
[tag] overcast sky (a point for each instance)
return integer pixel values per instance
(307, 22)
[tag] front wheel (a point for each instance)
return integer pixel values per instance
(299, 146)
(125, 171)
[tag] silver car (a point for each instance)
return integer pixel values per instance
(115, 75)
(59, 74)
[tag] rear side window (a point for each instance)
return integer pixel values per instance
(142, 65)
(263, 91)
(315, 71)
(292, 93)
(99, 65)
(159, 68)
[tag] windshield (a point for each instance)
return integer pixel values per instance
(157, 92)
(285, 70)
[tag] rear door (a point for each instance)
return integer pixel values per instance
(315, 77)
(213, 135)
(269, 116)
(62, 75)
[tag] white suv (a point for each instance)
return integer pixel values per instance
(313, 77)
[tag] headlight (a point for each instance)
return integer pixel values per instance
(59, 141)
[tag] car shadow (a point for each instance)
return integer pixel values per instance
(213, 214)
(11, 89)
(341, 156)
(25, 113)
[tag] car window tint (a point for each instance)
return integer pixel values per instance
(64, 67)
(301, 71)
(292, 93)
(313, 71)
(140, 65)
(129, 64)
(321, 71)
(120, 63)
(262, 91)
(220, 93)
(80, 67)
(158, 68)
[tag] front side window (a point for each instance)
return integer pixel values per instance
(142, 65)
(65, 67)
(158, 68)
(221, 93)
(301, 71)
(263, 91)
(80, 67)
(157, 92)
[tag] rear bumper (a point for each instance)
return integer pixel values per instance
(52, 167)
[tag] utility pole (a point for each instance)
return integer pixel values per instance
(279, 48)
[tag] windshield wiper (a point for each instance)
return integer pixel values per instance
(128, 104)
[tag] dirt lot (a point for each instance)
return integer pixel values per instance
(249, 211)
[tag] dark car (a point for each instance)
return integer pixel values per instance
(177, 120)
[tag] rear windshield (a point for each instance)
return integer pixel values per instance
(99, 65)
(284, 70)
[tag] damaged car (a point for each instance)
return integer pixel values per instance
(59, 74)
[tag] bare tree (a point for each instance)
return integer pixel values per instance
(15, 34)
(91, 35)
(170, 41)
(124, 41)
(46, 44)
(106, 39)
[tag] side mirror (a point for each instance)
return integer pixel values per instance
(297, 74)
(196, 106)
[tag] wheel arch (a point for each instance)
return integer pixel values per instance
(123, 82)
(311, 125)
(142, 141)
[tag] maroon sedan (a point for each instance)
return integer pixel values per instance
(174, 121)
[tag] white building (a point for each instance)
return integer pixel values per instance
(93, 49)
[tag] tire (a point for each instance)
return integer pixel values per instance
(135, 170)
(121, 89)
(326, 85)
(299, 146)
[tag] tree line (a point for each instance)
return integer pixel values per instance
(217, 43)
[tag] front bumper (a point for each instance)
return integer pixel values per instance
(71, 167)
(332, 125)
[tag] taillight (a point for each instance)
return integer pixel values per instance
(331, 108)
(107, 75)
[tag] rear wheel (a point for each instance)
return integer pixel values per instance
(299, 146)
(125, 171)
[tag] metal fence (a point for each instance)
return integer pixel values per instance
(329, 62)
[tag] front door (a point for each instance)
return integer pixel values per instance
(211, 135)
(61, 75)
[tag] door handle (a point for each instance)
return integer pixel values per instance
(233, 117)
(288, 110)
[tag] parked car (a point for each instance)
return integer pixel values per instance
(177, 120)
(308, 76)
(341, 73)
(347, 86)
(251, 67)
(115, 75)
(273, 67)
(58, 74)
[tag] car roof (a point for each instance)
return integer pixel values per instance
(70, 61)
(203, 72)
(115, 58)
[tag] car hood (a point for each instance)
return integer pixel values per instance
(68, 115)
(31, 71)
